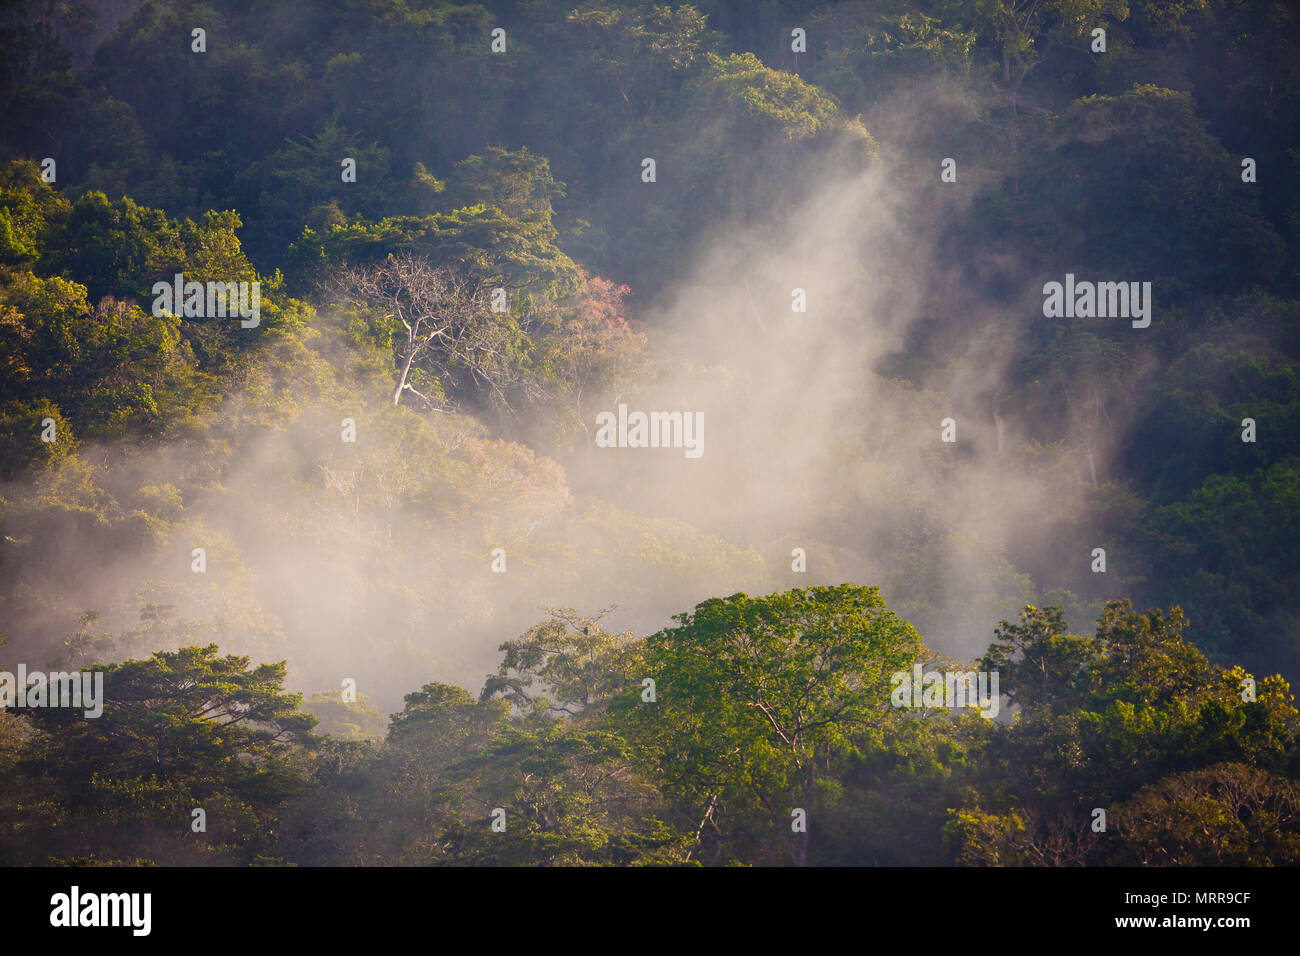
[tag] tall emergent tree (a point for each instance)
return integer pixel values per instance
(755, 701)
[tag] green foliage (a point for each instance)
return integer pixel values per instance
(1226, 815)
(755, 695)
(1191, 423)
(1041, 663)
(519, 253)
(118, 370)
(1233, 554)
(515, 183)
(1015, 27)
(346, 720)
(521, 172)
(1104, 164)
(180, 730)
(865, 62)
(570, 798)
(1102, 717)
(563, 666)
(29, 207)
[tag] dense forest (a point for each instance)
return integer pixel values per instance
(316, 319)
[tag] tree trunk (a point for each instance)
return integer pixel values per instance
(401, 381)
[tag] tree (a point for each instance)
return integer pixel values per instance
(446, 718)
(115, 368)
(346, 720)
(1017, 25)
(1136, 186)
(1229, 814)
(1039, 663)
(517, 183)
(518, 254)
(1232, 556)
(187, 709)
(570, 797)
(28, 207)
(1090, 373)
(444, 323)
(399, 817)
(865, 61)
(298, 183)
(755, 699)
(121, 248)
(593, 354)
(179, 730)
(1103, 716)
(1176, 441)
(634, 49)
(562, 666)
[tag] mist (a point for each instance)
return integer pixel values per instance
(316, 553)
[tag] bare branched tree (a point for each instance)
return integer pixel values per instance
(442, 323)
